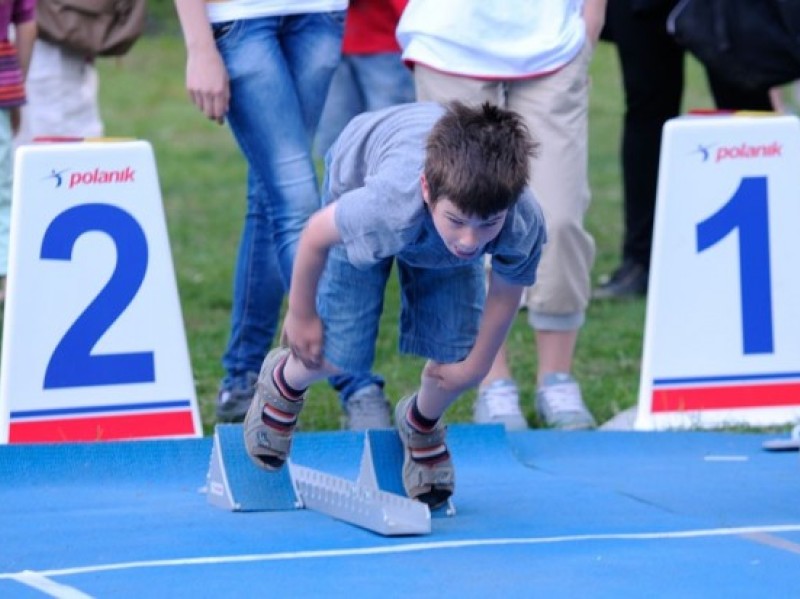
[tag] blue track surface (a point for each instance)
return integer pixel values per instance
(539, 513)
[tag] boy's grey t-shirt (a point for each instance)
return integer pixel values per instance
(373, 174)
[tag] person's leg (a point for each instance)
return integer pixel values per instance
(61, 90)
(378, 80)
(344, 101)
(555, 108)
(255, 307)
(383, 79)
(498, 397)
(730, 97)
(308, 45)
(267, 70)
(652, 67)
(440, 316)
(346, 295)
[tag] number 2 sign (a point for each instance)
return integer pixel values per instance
(722, 333)
(93, 341)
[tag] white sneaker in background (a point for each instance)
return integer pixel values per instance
(498, 403)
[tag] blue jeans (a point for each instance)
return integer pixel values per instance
(362, 82)
(279, 69)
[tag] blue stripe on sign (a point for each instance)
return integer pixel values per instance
(727, 378)
(156, 405)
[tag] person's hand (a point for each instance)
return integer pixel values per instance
(455, 378)
(304, 336)
(207, 82)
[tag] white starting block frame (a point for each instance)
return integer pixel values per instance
(375, 501)
(722, 328)
(94, 346)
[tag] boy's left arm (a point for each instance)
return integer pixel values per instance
(502, 305)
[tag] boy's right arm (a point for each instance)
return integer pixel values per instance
(206, 75)
(302, 329)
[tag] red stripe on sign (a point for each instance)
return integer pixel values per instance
(103, 428)
(686, 399)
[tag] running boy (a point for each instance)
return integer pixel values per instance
(432, 189)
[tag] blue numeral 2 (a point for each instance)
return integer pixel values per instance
(72, 363)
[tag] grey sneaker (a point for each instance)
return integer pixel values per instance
(367, 408)
(498, 403)
(270, 421)
(232, 404)
(560, 405)
(433, 482)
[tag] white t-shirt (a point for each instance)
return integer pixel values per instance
(499, 39)
(220, 11)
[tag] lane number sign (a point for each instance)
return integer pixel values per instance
(94, 346)
(722, 332)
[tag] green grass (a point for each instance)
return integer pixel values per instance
(203, 185)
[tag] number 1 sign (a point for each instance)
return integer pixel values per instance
(93, 341)
(722, 333)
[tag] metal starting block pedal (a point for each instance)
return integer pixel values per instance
(376, 501)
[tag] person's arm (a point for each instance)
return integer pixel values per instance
(206, 75)
(502, 305)
(594, 15)
(25, 36)
(302, 329)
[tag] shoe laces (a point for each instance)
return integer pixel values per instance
(363, 406)
(563, 397)
(367, 403)
(502, 399)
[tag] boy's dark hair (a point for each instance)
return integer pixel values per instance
(478, 158)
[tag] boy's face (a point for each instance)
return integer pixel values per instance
(465, 236)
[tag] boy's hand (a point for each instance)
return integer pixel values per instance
(455, 378)
(304, 336)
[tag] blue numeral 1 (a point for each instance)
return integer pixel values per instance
(746, 212)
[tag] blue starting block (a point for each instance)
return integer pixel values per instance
(376, 500)
(235, 483)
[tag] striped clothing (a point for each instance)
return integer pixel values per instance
(12, 84)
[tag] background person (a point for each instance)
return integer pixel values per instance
(533, 58)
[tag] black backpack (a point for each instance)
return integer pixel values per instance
(752, 44)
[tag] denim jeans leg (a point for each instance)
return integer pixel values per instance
(256, 305)
(383, 80)
(279, 70)
(347, 384)
(344, 101)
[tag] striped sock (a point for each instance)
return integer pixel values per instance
(272, 416)
(429, 456)
(284, 388)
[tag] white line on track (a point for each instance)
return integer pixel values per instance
(49, 587)
(410, 547)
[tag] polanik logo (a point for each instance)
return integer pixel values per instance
(96, 176)
(743, 151)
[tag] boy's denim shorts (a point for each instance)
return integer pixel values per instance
(440, 310)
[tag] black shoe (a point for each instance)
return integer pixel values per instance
(629, 280)
(232, 404)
